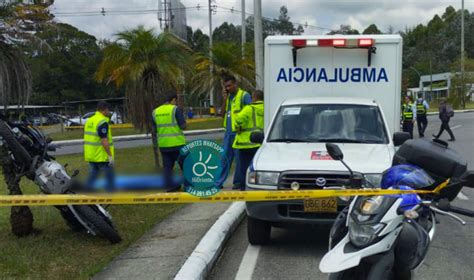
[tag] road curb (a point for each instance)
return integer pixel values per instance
(200, 263)
(75, 142)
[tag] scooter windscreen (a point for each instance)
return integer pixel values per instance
(406, 175)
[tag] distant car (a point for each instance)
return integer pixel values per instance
(115, 119)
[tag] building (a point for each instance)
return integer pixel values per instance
(172, 16)
(436, 86)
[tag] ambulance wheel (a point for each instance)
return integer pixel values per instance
(258, 231)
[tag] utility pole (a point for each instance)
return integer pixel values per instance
(243, 27)
(211, 94)
(258, 43)
(462, 55)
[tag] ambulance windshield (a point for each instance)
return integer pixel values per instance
(341, 123)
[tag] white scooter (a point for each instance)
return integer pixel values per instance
(387, 237)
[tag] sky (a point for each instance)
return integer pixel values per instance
(319, 15)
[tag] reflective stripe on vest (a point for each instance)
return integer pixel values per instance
(255, 122)
(420, 108)
(93, 149)
(408, 112)
(236, 106)
(167, 129)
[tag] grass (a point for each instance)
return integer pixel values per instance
(79, 133)
(57, 252)
(434, 106)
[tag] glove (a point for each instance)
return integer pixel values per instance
(111, 161)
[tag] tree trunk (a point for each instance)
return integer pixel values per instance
(21, 218)
(154, 140)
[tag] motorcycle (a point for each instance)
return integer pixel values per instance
(387, 237)
(29, 148)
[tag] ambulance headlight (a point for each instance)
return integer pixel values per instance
(263, 178)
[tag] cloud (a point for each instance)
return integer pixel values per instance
(322, 13)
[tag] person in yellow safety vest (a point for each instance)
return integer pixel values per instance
(250, 119)
(169, 122)
(99, 146)
(235, 99)
(421, 108)
(408, 115)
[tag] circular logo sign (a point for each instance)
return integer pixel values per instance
(320, 181)
(202, 167)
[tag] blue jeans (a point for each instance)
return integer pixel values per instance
(229, 155)
(95, 168)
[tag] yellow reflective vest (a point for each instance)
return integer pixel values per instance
(248, 120)
(420, 108)
(236, 106)
(167, 129)
(93, 149)
(408, 112)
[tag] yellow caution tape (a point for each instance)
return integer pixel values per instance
(225, 196)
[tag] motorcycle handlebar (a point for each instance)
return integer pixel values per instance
(445, 205)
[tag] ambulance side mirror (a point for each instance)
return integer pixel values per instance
(257, 137)
(400, 137)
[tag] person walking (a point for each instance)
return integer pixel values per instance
(408, 116)
(169, 122)
(235, 100)
(421, 119)
(99, 147)
(445, 115)
(250, 119)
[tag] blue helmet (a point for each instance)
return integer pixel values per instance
(408, 200)
(406, 175)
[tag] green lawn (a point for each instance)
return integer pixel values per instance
(78, 133)
(57, 252)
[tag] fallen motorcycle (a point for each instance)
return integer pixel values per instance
(29, 149)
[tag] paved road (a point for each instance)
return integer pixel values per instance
(66, 150)
(295, 254)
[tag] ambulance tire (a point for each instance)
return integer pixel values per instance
(258, 231)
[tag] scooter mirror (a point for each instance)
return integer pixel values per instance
(334, 151)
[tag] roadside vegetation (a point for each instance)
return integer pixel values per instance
(55, 252)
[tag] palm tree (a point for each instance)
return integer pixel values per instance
(226, 59)
(147, 65)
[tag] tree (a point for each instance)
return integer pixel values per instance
(65, 71)
(344, 30)
(372, 29)
(283, 24)
(226, 59)
(227, 33)
(197, 40)
(18, 25)
(148, 65)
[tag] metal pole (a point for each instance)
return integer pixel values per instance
(258, 43)
(243, 27)
(211, 94)
(462, 54)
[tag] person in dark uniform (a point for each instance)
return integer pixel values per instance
(444, 116)
(421, 119)
(408, 116)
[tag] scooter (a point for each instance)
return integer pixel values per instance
(29, 149)
(387, 237)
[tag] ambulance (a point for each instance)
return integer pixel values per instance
(343, 89)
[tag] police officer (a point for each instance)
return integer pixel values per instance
(248, 120)
(235, 100)
(408, 116)
(421, 119)
(169, 122)
(99, 146)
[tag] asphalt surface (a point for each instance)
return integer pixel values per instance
(295, 254)
(77, 149)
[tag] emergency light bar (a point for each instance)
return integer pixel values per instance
(363, 43)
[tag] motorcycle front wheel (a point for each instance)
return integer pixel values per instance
(98, 222)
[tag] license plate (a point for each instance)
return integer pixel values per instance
(320, 205)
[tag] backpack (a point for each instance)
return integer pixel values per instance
(449, 111)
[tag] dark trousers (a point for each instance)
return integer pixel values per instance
(422, 122)
(245, 158)
(445, 126)
(95, 168)
(169, 159)
(408, 127)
